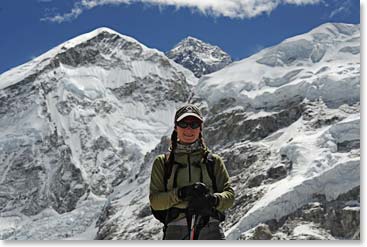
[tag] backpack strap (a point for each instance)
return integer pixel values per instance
(169, 169)
(210, 163)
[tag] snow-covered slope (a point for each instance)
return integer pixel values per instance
(322, 63)
(291, 110)
(199, 57)
(76, 122)
(281, 156)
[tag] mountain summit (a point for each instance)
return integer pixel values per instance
(199, 57)
(76, 122)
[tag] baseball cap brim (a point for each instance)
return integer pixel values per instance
(187, 114)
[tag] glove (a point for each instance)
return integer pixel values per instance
(195, 190)
(204, 205)
(207, 200)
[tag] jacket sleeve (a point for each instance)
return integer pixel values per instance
(226, 192)
(159, 199)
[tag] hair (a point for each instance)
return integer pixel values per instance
(171, 158)
(201, 140)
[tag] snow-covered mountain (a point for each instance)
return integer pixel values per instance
(287, 121)
(76, 122)
(81, 125)
(199, 57)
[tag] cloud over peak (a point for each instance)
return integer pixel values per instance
(242, 9)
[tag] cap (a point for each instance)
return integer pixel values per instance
(188, 110)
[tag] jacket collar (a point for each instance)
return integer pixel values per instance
(188, 148)
(193, 152)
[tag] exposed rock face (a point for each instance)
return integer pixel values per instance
(318, 220)
(71, 131)
(199, 57)
(26, 180)
(112, 226)
(68, 184)
(277, 172)
(239, 125)
(260, 232)
(256, 180)
(322, 219)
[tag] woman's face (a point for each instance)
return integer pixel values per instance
(188, 135)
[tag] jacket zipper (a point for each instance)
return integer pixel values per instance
(188, 159)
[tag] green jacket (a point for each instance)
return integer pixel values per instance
(189, 173)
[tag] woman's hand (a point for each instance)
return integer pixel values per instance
(201, 201)
(193, 191)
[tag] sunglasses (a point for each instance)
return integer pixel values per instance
(184, 125)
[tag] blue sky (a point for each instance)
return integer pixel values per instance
(240, 27)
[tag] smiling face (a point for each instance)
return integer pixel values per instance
(188, 135)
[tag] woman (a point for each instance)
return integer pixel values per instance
(190, 187)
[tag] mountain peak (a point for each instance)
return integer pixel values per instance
(105, 29)
(199, 57)
(108, 35)
(191, 43)
(94, 33)
(190, 38)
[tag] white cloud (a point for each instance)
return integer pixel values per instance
(80, 7)
(227, 8)
(75, 12)
(344, 9)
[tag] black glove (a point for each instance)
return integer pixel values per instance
(195, 190)
(207, 200)
(204, 205)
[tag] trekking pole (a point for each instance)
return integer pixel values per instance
(189, 221)
(192, 227)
